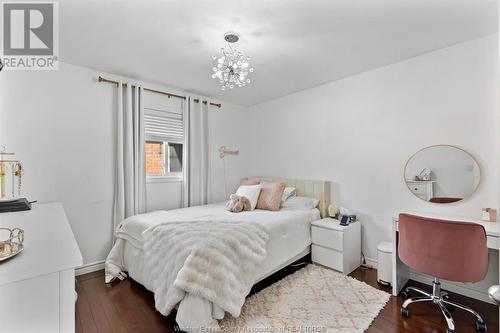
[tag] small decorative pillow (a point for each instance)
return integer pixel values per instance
(301, 202)
(270, 195)
(287, 193)
(251, 192)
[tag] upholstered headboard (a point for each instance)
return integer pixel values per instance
(318, 189)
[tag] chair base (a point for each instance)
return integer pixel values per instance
(442, 300)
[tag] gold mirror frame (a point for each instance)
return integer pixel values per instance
(445, 203)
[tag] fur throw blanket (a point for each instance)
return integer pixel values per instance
(215, 260)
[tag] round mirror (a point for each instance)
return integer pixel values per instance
(442, 174)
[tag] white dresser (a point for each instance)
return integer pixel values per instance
(37, 287)
(424, 189)
(336, 246)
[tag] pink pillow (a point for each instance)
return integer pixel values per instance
(270, 195)
(250, 181)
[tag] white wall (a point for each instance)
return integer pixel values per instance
(359, 132)
(61, 125)
(228, 127)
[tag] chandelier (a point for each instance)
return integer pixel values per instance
(232, 66)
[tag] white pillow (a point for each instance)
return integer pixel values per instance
(287, 193)
(301, 202)
(251, 192)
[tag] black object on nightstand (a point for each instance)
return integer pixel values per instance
(15, 206)
(344, 220)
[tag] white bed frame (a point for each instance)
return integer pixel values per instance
(318, 189)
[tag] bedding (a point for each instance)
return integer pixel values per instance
(289, 238)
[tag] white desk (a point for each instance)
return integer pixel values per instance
(401, 272)
(37, 287)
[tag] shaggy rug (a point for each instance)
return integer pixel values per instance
(313, 299)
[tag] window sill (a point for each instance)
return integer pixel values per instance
(163, 179)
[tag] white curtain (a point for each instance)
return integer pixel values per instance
(130, 183)
(199, 153)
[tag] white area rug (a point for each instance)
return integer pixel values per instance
(313, 299)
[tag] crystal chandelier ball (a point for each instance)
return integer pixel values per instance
(231, 68)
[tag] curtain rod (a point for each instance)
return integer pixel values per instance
(101, 79)
(205, 102)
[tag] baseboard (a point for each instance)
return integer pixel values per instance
(452, 287)
(371, 262)
(89, 268)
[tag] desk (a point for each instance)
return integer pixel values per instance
(401, 272)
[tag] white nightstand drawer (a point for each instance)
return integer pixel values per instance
(418, 189)
(332, 239)
(327, 257)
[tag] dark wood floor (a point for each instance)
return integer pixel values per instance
(426, 317)
(128, 307)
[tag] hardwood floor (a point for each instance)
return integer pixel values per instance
(128, 307)
(426, 317)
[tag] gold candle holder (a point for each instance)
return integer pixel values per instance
(3, 169)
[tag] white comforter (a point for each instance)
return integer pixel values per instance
(211, 259)
(289, 230)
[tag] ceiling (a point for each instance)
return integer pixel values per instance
(294, 45)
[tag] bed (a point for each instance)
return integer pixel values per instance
(289, 240)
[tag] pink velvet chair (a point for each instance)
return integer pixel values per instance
(449, 250)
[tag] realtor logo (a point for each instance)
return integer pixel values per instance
(30, 35)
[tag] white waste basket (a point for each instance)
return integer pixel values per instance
(384, 270)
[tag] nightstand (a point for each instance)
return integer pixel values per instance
(336, 246)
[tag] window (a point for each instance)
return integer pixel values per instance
(155, 158)
(174, 157)
(163, 158)
(164, 133)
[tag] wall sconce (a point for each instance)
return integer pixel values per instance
(223, 151)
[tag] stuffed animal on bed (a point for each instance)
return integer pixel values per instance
(238, 204)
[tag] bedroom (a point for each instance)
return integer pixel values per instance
(344, 100)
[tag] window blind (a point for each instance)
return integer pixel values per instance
(165, 125)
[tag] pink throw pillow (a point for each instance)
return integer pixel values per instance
(270, 195)
(250, 181)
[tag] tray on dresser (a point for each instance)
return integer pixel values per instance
(10, 250)
(13, 245)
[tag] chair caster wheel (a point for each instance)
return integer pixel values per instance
(405, 312)
(405, 294)
(480, 326)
